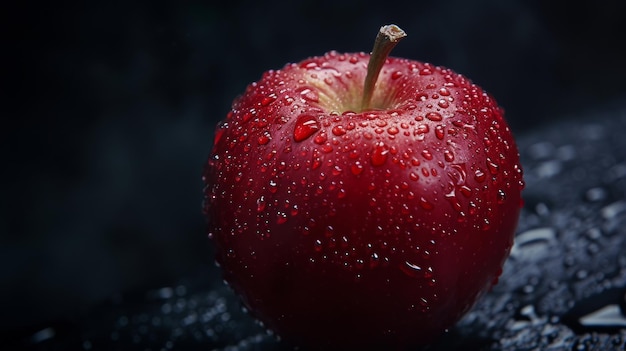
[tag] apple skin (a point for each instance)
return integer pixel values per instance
(348, 228)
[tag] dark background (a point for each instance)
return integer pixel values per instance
(110, 107)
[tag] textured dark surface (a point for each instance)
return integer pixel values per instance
(568, 262)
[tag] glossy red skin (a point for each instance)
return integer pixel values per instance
(373, 228)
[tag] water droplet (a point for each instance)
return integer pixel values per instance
(426, 204)
(411, 269)
(427, 155)
(310, 95)
(281, 218)
(443, 103)
(260, 204)
(434, 116)
(444, 92)
(268, 100)
(317, 246)
(448, 155)
(294, 210)
(273, 186)
(439, 132)
(492, 166)
(395, 75)
(379, 155)
(501, 196)
(357, 168)
(339, 130)
(320, 138)
(480, 175)
(264, 138)
(306, 125)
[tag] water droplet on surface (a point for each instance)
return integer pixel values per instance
(264, 139)
(480, 175)
(443, 103)
(309, 95)
(357, 168)
(379, 155)
(268, 100)
(439, 132)
(395, 75)
(501, 196)
(411, 269)
(426, 204)
(260, 204)
(320, 138)
(306, 125)
(434, 116)
(281, 218)
(339, 130)
(427, 155)
(492, 166)
(448, 155)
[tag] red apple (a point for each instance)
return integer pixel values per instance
(352, 211)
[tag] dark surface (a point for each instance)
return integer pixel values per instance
(109, 115)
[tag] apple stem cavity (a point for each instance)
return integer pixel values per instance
(386, 40)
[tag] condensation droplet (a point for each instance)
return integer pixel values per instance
(426, 204)
(260, 204)
(268, 100)
(379, 155)
(339, 130)
(434, 116)
(480, 175)
(357, 168)
(306, 125)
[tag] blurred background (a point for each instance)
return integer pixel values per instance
(111, 108)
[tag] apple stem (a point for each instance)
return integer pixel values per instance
(386, 40)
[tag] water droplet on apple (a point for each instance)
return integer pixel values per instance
(444, 92)
(443, 103)
(317, 246)
(320, 138)
(339, 130)
(439, 132)
(396, 74)
(448, 155)
(425, 204)
(379, 155)
(281, 218)
(393, 130)
(501, 196)
(480, 175)
(411, 269)
(306, 125)
(434, 116)
(260, 204)
(357, 168)
(264, 138)
(427, 155)
(273, 186)
(492, 166)
(309, 94)
(268, 100)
